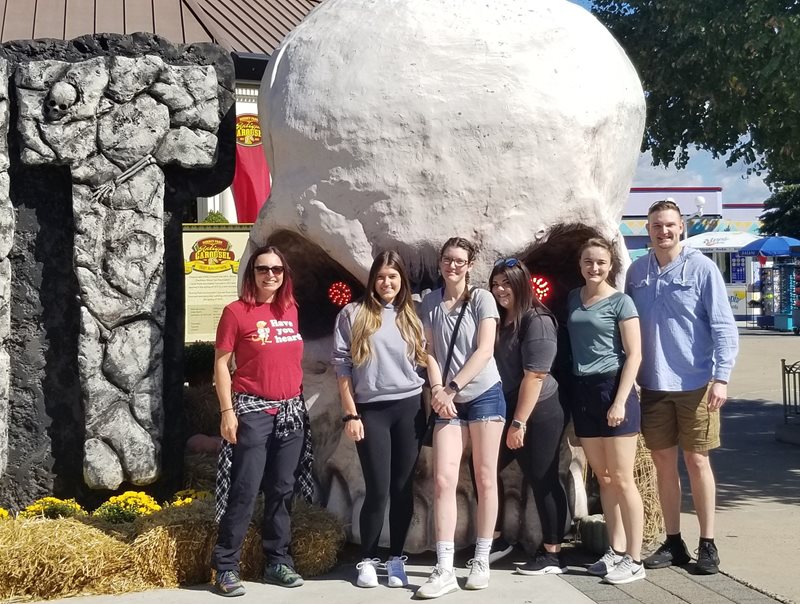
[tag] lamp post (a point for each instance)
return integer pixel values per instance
(700, 203)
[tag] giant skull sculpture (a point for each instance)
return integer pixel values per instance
(399, 124)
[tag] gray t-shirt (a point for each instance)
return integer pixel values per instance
(532, 348)
(390, 373)
(594, 332)
(441, 323)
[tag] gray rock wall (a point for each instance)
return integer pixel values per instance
(6, 239)
(115, 136)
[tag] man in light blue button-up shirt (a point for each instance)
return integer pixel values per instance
(689, 345)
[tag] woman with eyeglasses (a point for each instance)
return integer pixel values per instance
(470, 406)
(606, 348)
(377, 350)
(525, 350)
(264, 422)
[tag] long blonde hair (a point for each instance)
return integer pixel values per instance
(370, 312)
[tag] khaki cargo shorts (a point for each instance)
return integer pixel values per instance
(679, 418)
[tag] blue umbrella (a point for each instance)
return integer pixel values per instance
(770, 246)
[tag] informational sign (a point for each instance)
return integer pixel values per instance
(737, 299)
(211, 256)
(738, 268)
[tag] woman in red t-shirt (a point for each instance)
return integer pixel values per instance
(264, 422)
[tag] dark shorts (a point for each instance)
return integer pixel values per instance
(489, 406)
(592, 396)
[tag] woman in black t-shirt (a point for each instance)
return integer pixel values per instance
(524, 352)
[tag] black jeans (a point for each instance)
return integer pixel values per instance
(261, 461)
(388, 454)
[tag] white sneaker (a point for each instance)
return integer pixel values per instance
(440, 582)
(625, 572)
(605, 564)
(368, 572)
(396, 571)
(478, 574)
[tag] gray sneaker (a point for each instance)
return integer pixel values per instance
(440, 582)
(605, 564)
(228, 583)
(626, 571)
(478, 574)
(283, 575)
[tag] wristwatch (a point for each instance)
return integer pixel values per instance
(518, 424)
(453, 385)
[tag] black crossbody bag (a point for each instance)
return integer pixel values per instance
(427, 436)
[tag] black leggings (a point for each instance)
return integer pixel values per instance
(388, 454)
(538, 459)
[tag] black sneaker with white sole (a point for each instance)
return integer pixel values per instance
(500, 549)
(669, 554)
(543, 563)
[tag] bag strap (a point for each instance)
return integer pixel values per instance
(432, 416)
(452, 344)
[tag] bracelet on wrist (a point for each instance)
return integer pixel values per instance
(221, 411)
(437, 386)
(351, 417)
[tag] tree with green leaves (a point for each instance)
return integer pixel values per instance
(782, 213)
(722, 75)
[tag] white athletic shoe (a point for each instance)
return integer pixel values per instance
(478, 574)
(396, 571)
(440, 582)
(605, 564)
(626, 571)
(368, 572)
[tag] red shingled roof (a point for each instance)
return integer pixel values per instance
(250, 26)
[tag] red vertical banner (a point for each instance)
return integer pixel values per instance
(250, 185)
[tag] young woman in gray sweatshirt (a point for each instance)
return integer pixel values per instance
(377, 350)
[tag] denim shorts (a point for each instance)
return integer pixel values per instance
(489, 406)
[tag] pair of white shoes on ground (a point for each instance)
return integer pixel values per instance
(395, 572)
(443, 581)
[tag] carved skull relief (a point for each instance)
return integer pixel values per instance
(395, 125)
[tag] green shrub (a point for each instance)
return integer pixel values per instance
(215, 217)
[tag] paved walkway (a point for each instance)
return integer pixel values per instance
(758, 524)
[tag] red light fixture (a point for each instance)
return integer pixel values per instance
(540, 287)
(339, 293)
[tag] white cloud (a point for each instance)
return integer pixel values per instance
(703, 170)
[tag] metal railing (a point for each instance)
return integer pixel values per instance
(791, 390)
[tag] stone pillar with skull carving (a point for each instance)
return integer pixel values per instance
(122, 124)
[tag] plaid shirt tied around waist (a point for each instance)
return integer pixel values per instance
(292, 415)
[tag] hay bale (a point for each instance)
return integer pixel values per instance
(173, 547)
(317, 539)
(644, 473)
(45, 559)
(200, 471)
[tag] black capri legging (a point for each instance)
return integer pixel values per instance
(388, 454)
(538, 458)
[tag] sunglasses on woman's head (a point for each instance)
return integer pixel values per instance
(263, 270)
(509, 262)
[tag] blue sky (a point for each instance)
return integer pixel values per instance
(701, 171)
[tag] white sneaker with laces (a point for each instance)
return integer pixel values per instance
(626, 571)
(605, 564)
(396, 571)
(478, 574)
(440, 582)
(368, 572)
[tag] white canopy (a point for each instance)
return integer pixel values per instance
(720, 241)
